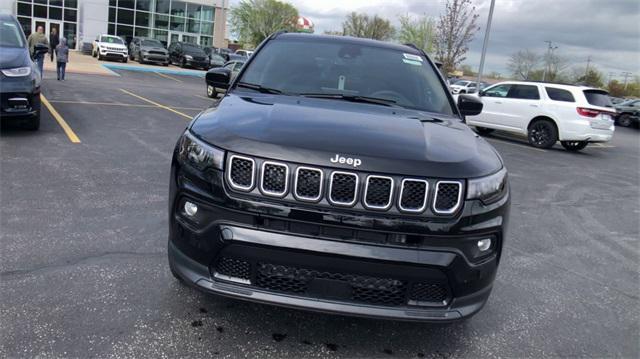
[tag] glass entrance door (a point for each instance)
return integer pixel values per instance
(48, 26)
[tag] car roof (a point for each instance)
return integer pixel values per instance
(347, 40)
(550, 84)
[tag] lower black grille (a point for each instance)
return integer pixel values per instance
(241, 173)
(156, 52)
(414, 195)
(274, 178)
(343, 188)
(378, 192)
(428, 293)
(233, 267)
(287, 279)
(447, 197)
(308, 183)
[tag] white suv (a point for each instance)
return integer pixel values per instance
(546, 113)
(110, 47)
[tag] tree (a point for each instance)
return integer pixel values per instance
(555, 64)
(420, 32)
(254, 20)
(455, 30)
(592, 77)
(522, 63)
(467, 70)
(334, 32)
(361, 25)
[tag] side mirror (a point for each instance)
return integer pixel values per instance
(219, 78)
(40, 49)
(469, 105)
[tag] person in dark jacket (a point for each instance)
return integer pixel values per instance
(54, 39)
(35, 38)
(62, 57)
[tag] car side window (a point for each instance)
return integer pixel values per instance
(557, 94)
(497, 91)
(237, 67)
(230, 65)
(524, 92)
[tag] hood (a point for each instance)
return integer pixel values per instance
(312, 131)
(192, 51)
(153, 48)
(11, 57)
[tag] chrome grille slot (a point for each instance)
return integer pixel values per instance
(343, 188)
(447, 197)
(241, 173)
(275, 179)
(413, 195)
(308, 184)
(378, 192)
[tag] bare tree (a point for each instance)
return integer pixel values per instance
(455, 30)
(420, 32)
(522, 63)
(556, 64)
(361, 25)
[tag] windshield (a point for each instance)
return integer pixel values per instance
(332, 67)
(191, 47)
(111, 40)
(152, 43)
(10, 34)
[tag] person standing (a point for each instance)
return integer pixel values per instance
(35, 38)
(54, 40)
(62, 57)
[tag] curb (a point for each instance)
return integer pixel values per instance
(194, 73)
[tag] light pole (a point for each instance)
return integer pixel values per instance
(484, 44)
(547, 65)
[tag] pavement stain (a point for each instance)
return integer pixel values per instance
(331, 346)
(219, 328)
(306, 342)
(387, 351)
(278, 337)
(196, 323)
(204, 310)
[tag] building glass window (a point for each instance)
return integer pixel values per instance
(40, 2)
(112, 14)
(208, 13)
(178, 8)
(177, 23)
(55, 3)
(162, 21)
(206, 28)
(39, 11)
(145, 5)
(206, 41)
(71, 3)
(111, 29)
(193, 11)
(143, 19)
(193, 26)
(55, 13)
(124, 31)
(70, 15)
(113, 3)
(162, 36)
(129, 4)
(162, 6)
(69, 33)
(142, 32)
(25, 22)
(125, 17)
(24, 9)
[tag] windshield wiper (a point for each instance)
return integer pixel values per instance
(259, 88)
(352, 98)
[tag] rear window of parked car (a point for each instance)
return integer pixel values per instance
(557, 94)
(598, 98)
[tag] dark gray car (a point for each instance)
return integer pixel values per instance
(145, 49)
(628, 113)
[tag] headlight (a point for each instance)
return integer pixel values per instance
(17, 72)
(488, 189)
(198, 154)
(188, 57)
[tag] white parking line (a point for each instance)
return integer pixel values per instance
(521, 145)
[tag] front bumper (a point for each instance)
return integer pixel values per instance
(361, 265)
(197, 64)
(155, 58)
(19, 99)
(113, 54)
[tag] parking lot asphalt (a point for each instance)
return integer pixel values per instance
(83, 234)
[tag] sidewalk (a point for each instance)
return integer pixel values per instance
(85, 64)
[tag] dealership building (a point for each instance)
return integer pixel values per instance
(201, 22)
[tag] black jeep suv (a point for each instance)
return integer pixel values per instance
(342, 180)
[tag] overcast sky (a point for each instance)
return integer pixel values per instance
(608, 31)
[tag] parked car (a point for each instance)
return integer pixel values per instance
(628, 113)
(546, 113)
(144, 49)
(224, 53)
(185, 54)
(464, 86)
(245, 53)
(215, 60)
(110, 47)
(616, 100)
(234, 68)
(334, 176)
(20, 77)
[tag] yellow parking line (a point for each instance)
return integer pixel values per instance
(167, 76)
(65, 126)
(157, 104)
(118, 104)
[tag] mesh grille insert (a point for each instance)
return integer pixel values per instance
(232, 267)
(343, 188)
(274, 178)
(241, 172)
(379, 190)
(309, 183)
(428, 292)
(414, 194)
(447, 196)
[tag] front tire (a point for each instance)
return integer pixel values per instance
(125, 60)
(183, 64)
(574, 146)
(624, 120)
(542, 134)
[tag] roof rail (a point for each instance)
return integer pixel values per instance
(277, 33)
